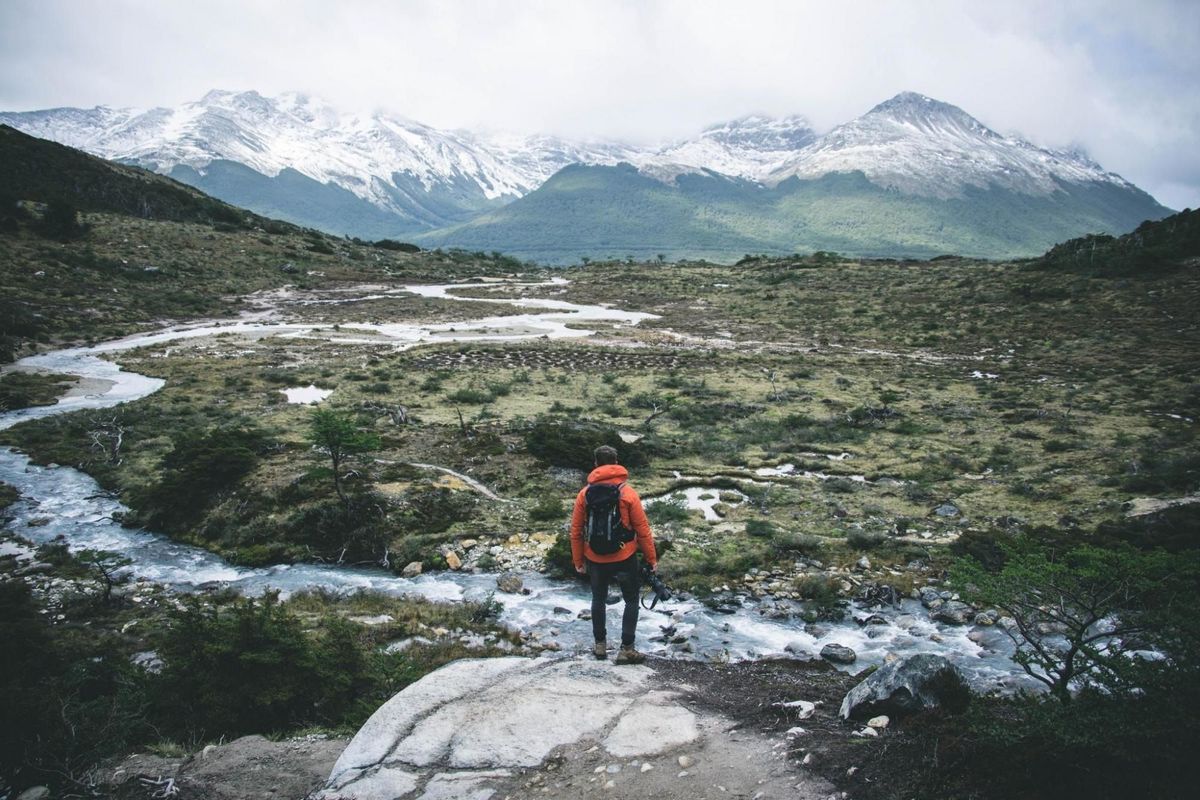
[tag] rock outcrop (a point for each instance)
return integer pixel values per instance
(508, 726)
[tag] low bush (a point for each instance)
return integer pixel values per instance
(548, 508)
(865, 540)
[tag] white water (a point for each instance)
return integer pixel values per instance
(305, 395)
(79, 510)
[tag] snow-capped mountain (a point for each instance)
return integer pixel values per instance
(924, 147)
(379, 175)
(363, 154)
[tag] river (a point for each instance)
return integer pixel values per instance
(68, 503)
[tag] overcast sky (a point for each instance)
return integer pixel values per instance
(1122, 79)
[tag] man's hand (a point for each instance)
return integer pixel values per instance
(581, 569)
(654, 567)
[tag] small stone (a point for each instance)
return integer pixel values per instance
(797, 731)
(869, 732)
(610, 785)
(613, 769)
(878, 722)
(599, 769)
(864, 563)
(412, 570)
(683, 773)
(35, 793)
(646, 767)
(850, 772)
(686, 761)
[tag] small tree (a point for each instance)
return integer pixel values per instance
(1078, 613)
(337, 434)
(106, 567)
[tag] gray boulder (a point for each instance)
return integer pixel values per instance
(917, 683)
(510, 582)
(954, 612)
(838, 654)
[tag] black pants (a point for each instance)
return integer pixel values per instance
(627, 577)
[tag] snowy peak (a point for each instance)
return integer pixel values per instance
(750, 147)
(921, 146)
(762, 133)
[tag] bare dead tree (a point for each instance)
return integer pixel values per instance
(657, 411)
(108, 435)
(771, 375)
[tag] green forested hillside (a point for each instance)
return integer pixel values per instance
(615, 212)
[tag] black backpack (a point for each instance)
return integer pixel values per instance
(605, 532)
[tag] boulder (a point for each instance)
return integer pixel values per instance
(453, 561)
(838, 654)
(35, 793)
(510, 582)
(954, 612)
(917, 683)
(412, 570)
(929, 596)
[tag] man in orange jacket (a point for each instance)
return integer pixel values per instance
(620, 566)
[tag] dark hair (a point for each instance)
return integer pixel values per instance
(605, 455)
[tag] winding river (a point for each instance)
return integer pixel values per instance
(65, 502)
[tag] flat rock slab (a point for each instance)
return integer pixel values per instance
(520, 727)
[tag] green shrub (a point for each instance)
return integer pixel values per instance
(802, 543)
(761, 528)
(200, 466)
(667, 510)
(251, 668)
(469, 396)
(549, 507)
(865, 540)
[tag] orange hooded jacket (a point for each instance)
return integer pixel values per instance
(633, 516)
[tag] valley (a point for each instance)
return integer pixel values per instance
(824, 444)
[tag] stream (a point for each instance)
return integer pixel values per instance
(61, 501)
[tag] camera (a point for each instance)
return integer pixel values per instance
(656, 587)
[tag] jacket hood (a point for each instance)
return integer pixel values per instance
(607, 473)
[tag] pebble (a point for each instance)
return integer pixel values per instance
(646, 767)
(686, 761)
(809, 759)
(878, 722)
(613, 769)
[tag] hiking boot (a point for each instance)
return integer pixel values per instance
(627, 655)
(600, 650)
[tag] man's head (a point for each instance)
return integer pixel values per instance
(605, 455)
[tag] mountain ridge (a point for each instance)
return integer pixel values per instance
(381, 175)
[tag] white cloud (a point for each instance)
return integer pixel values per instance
(1119, 78)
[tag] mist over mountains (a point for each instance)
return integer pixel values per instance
(912, 177)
